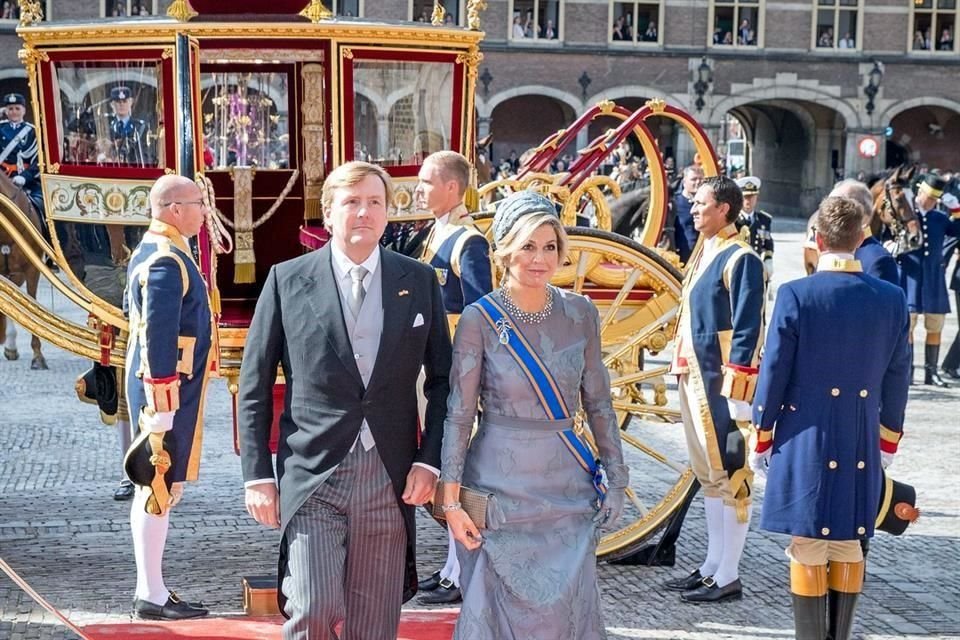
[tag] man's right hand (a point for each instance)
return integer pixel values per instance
(263, 503)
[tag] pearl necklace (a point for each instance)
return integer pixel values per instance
(535, 317)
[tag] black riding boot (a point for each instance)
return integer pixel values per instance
(808, 588)
(930, 373)
(842, 609)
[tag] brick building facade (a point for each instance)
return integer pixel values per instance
(795, 74)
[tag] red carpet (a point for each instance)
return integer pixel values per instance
(414, 625)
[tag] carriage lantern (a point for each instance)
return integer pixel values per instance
(704, 78)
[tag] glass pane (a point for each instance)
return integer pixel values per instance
(111, 113)
(141, 7)
(826, 3)
(348, 8)
(622, 21)
(825, 35)
(945, 31)
(723, 28)
(246, 119)
(115, 8)
(523, 22)
(847, 30)
(422, 10)
(921, 34)
(419, 118)
(648, 22)
(548, 19)
(947, 4)
(923, 4)
(849, 3)
(746, 29)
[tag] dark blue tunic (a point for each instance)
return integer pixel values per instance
(686, 234)
(877, 261)
(922, 273)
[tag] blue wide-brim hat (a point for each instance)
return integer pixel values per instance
(516, 206)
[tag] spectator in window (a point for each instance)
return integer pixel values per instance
(918, 40)
(743, 36)
(826, 38)
(528, 25)
(549, 32)
(946, 40)
(621, 31)
(728, 38)
(448, 20)
(846, 42)
(718, 36)
(650, 35)
(752, 37)
(518, 31)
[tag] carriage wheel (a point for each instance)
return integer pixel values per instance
(638, 295)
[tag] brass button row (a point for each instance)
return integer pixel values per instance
(833, 464)
(836, 392)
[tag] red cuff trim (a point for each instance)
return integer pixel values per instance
(742, 368)
(158, 381)
(888, 447)
(764, 441)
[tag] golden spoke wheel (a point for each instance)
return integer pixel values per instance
(638, 294)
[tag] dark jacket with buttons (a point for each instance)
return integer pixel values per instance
(922, 272)
(832, 395)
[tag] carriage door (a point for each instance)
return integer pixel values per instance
(264, 149)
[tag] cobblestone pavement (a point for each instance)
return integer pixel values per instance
(61, 530)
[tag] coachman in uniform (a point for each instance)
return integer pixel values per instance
(923, 274)
(169, 358)
(18, 150)
(719, 336)
(128, 135)
(829, 411)
(757, 223)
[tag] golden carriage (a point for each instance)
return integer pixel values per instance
(259, 109)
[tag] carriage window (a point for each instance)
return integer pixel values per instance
(246, 119)
(111, 113)
(403, 110)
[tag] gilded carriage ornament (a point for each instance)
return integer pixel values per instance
(181, 11)
(30, 12)
(316, 11)
(108, 202)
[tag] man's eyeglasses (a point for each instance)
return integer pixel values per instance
(183, 202)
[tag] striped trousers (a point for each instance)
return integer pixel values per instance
(346, 550)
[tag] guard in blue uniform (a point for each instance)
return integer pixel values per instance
(168, 362)
(460, 256)
(755, 224)
(128, 135)
(829, 411)
(685, 232)
(18, 151)
(719, 336)
(873, 257)
(923, 274)
(951, 363)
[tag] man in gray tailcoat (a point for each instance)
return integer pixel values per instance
(350, 326)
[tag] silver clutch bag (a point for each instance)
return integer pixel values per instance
(473, 502)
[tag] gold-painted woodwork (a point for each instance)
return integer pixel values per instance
(474, 7)
(30, 12)
(316, 11)
(436, 18)
(181, 11)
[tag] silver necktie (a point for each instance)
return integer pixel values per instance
(357, 274)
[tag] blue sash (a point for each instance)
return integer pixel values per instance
(545, 387)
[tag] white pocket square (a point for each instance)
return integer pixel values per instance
(418, 321)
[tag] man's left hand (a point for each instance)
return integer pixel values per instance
(420, 487)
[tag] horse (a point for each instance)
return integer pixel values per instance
(15, 266)
(893, 209)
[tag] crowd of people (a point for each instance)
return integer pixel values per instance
(923, 42)
(362, 442)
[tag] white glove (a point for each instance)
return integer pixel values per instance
(768, 267)
(950, 201)
(760, 462)
(19, 181)
(157, 422)
(886, 459)
(739, 410)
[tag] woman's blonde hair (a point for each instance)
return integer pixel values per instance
(347, 175)
(520, 233)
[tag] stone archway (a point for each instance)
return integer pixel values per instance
(523, 121)
(927, 134)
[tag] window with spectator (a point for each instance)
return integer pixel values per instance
(347, 8)
(836, 23)
(536, 19)
(422, 11)
(126, 8)
(736, 23)
(933, 25)
(637, 21)
(10, 10)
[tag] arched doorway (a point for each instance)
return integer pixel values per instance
(927, 135)
(522, 122)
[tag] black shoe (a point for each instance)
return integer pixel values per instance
(709, 592)
(173, 609)
(431, 583)
(932, 377)
(445, 593)
(951, 373)
(124, 491)
(686, 583)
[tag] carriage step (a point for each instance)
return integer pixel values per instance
(260, 596)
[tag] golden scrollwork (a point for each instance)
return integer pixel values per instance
(31, 55)
(657, 105)
(316, 11)
(606, 106)
(472, 59)
(181, 11)
(54, 168)
(436, 19)
(30, 12)
(346, 53)
(167, 53)
(474, 7)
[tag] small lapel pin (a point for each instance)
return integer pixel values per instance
(403, 292)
